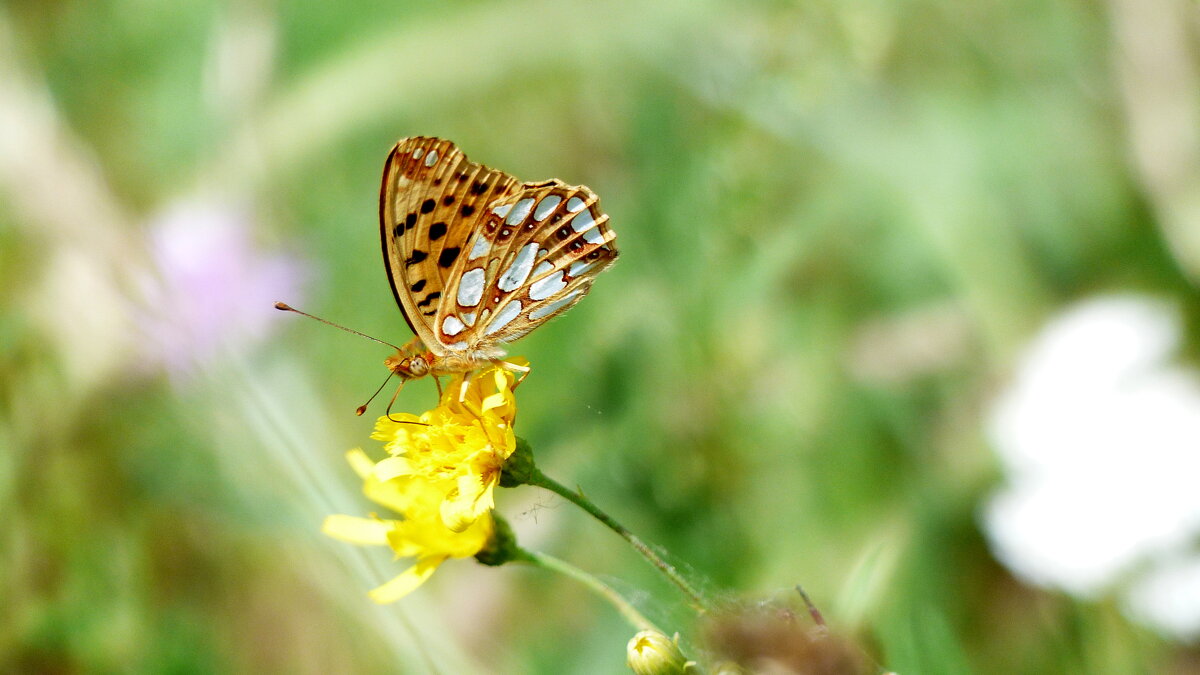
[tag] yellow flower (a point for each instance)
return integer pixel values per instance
(461, 444)
(440, 478)
(421, 534)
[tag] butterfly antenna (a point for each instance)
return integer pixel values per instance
(363, 408)
(284, 307)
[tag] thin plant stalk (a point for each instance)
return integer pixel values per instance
(627, 610)
(694, 597)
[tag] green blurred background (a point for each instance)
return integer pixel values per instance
(840, 222)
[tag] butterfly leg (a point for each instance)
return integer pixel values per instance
(521, 371)
(462, 389)
(388, 413)
(438, 382)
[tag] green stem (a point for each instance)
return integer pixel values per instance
(542, 480)
(634, 617)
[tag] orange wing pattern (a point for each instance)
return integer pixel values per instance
(476, 258)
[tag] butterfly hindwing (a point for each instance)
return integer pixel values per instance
(534, 257)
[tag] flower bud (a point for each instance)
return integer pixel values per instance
(652, 653)
(501, 547)
(519, 468)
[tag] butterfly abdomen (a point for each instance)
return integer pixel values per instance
(453, 363)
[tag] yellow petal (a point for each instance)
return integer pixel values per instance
(359, 461)
(386, 429)
(461, 509)
(408, 581)
(363, 531)
(392, 467)
(495, 401)
(503, 440)
(500, 377)
(396, 494)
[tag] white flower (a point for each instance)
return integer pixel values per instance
(1100, 440)
(1167, 597)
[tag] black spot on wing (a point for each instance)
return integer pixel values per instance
(416, 257)
(409, 222)
(448, 256)
(427, 206)
(429, 298)
(437, 231)
(416, 288)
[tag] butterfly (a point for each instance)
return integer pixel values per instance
(476, 258)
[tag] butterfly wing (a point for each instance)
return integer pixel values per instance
(476, 258)
(535, 255)
(431, 200)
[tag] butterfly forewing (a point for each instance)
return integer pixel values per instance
(476, 258)
(431, 200)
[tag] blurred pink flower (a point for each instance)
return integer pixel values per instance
(211, 289)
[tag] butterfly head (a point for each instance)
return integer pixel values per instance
(407, 365)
